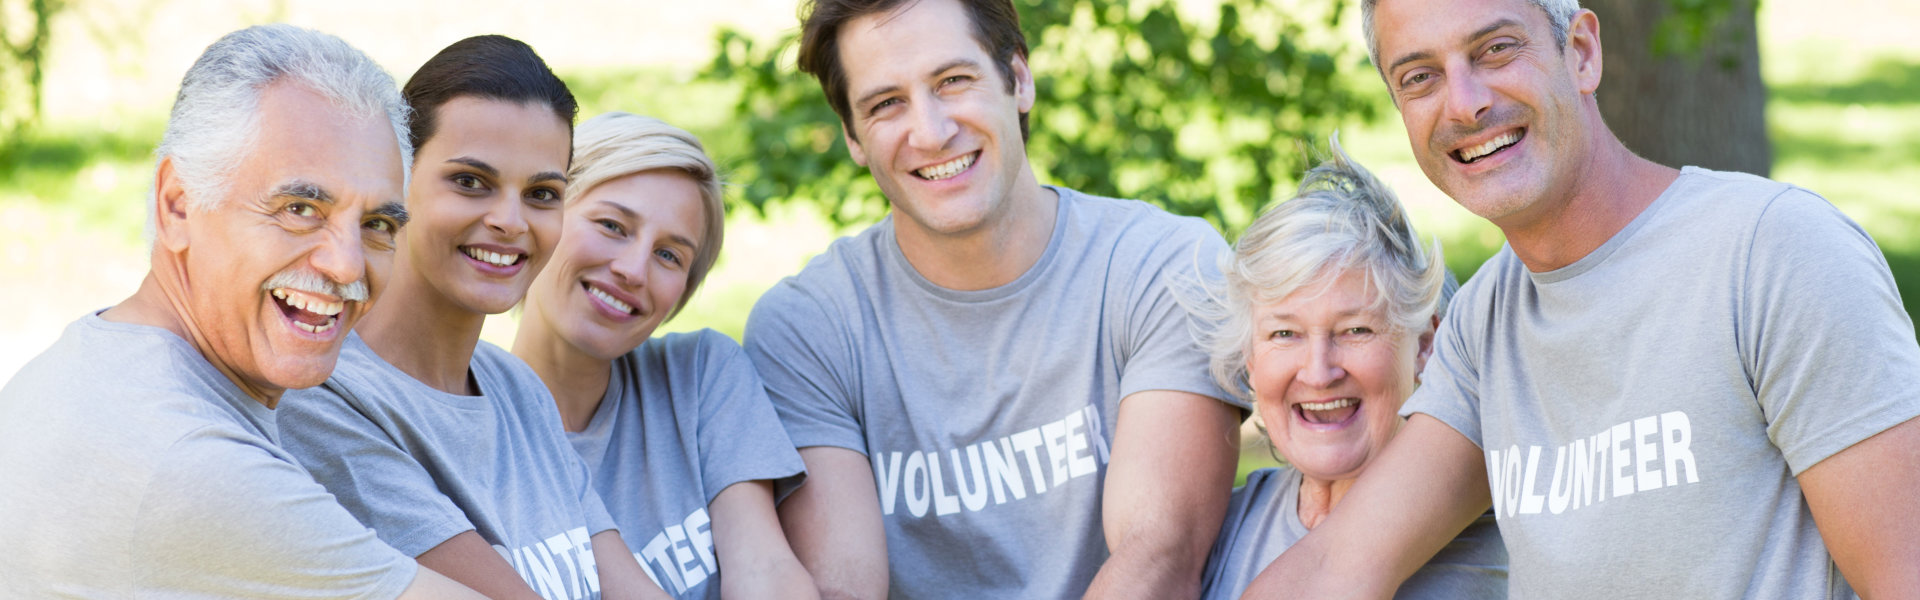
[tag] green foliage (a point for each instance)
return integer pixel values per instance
(1136, 99)
(1690, 24)
(24, 38)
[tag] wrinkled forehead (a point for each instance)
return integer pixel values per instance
(307, 146)
(1403, 28)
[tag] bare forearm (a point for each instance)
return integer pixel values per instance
(834, 525)
(1862, 501)
(1426, 487)
(1163, 501)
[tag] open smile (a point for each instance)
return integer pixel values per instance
(947, 170)
(1327, 415)
(609, 302)
(1488, 148)
(309, 312)
(498, 261)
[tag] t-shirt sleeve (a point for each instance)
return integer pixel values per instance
(225, 517)
(1158, 335)
(1829, 347)
(796, 349)
(740, 435)
(1450, 384)
(371, 474)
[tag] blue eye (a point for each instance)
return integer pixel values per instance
(612, 226)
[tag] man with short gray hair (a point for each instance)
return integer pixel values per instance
(139, 451)
(1672, 383)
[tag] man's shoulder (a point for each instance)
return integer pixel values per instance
(1129, 218)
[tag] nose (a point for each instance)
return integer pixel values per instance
(1322, 368)
(631, 268)
(340, 257)
(933, 127)
(1468, 100)
(505, 217)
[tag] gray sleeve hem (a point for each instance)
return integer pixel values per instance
(418, 541)
(1805, 456)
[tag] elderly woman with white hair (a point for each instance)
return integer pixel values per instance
(677, 431)
(1327, 312)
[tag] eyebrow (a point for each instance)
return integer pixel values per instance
(634, 216)
(395, 211)
(936, 71)
(1482, 32)
(477, 164)
(305, 190)
(545, 176)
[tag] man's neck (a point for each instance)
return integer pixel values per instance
(997, 252)
(422, 333)
(1613, 189)
(161, 302)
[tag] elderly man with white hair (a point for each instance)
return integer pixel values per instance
(139, 451)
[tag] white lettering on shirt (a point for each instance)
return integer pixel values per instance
(1054, 454)
(1628, 458)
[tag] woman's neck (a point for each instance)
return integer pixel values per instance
(423, 333)
(1318, 497)
(577, 380)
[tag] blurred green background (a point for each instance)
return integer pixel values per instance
(1204, 107)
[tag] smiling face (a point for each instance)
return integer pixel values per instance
(622, 264)
(931, 116)
(486, 200)
(1497, 113)
(1329, 373)
(281, 269)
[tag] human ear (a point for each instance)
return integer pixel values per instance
(1583, 50)
(1023, 92)
(170, 224)
(853, 146)
(1426, 347)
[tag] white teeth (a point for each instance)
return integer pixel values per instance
(610, 300)
(323, 328)
(1474, 153)
(1328, 405)
(309, 304)
(492, 258)
(947, 169)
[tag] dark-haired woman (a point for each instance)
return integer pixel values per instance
(446, 446)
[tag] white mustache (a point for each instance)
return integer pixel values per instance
(313, 283)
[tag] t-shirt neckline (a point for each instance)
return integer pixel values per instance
(897, 260)
(1599, 255)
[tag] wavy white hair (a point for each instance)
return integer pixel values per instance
(1342, 219)
(216, 116)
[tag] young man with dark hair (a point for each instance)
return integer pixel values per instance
(994, 389)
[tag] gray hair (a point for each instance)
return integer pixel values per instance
(216, 116)
(1559, 18)
(1342, 219)
(617, 144)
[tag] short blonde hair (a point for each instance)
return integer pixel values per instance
(617, 144)
(1341, 219)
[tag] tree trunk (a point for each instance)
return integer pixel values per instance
(1704, 107)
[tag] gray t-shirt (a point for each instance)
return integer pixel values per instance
(1644, 410)
(420, 466)
(132, 467)
(987, 414)
(1263, 520)
(684, 417)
